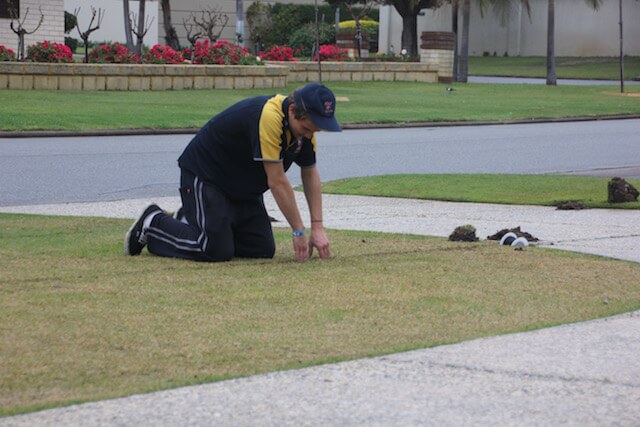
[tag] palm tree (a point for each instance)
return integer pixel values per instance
(501, 7)
(464, 43)
(551, 56)
(551, 41)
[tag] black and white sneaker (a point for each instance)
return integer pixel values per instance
(135, 240)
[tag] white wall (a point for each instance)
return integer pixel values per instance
(112, 27)
(52, 27)
(579, 30)
(182, 9)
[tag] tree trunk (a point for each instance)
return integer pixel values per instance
(410, 35)
(464, 47)
(127, 25)
(454, 29)
(551, 55)
(170, 34)
(141, 28)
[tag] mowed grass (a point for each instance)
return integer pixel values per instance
(545, 190)
(606, 68)
(80, 321)
(358, 103)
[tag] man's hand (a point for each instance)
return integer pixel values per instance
(301, 248)
(320, 241)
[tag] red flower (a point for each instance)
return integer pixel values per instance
(279, 53)
(331, 52)
(221, 52)
(7, 54)
(47, 51)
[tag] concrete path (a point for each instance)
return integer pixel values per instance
(585, 374)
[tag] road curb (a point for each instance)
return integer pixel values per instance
(183, 131)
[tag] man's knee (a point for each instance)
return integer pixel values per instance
(219, 253)
(265, 249)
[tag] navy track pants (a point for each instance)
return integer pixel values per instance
(217, 228)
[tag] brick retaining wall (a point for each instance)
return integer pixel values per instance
(28, 75)
(363, 71)
(19, 75)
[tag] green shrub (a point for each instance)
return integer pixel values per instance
(70, 22)
(71, 43)
(259, 21)
(367, 25)
(285, 17)
(305, 37)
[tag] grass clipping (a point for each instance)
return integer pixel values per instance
(80, 321)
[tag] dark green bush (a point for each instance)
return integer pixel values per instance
(71, 43)
(70, 22)
(287, 19)
(305, 37)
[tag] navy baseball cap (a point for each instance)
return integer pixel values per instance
(319, 103)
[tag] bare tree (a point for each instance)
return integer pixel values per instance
(131, 28)
(141, 28)
(211, 22)
(17, 26)
(192, 37)
(85, 35)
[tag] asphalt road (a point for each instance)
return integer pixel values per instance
(89, 169)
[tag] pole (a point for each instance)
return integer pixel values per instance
(621, 52)
(318, 43)
(240, 22)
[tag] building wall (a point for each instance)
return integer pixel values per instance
(182, 9)
(52, 27)
(579, 30)
(112, 26)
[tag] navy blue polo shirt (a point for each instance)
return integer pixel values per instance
(229, 150)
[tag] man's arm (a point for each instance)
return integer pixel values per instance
(313, 193)
(283, 194)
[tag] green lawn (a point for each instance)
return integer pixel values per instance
(359, 102)
(545, 190)
(606, 68)
(80, 321)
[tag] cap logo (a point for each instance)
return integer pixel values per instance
(328, 107)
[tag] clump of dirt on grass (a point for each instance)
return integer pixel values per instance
(516, 231)
(464, 233)
(620, 191)
(568, 205)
